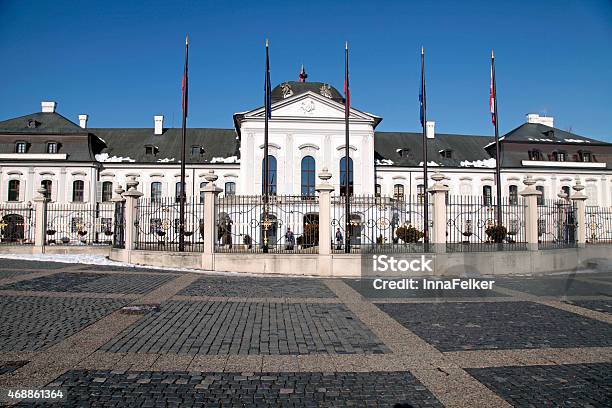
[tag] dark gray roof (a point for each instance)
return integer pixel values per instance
(538, 133)
(464, 148)
(303, 87)
(130, 143)
(43, 123)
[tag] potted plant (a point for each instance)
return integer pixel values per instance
(65, 240)
(409, 234)
(496, 233)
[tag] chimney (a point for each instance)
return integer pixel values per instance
(83, 121)
(48, 106)
(159, 124)
(430, 129)
(542, 120)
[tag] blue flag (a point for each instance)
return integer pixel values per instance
(421, 103)
(268, 89)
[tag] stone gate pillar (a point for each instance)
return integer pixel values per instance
(131, 212)
(40, 221)
(531, 213)
(579, 199)
(211, 191)
(324, 188)
(438, 199)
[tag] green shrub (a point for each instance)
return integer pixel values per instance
(496, 233)
(409, 234)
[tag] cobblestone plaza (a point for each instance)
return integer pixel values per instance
(210, 340)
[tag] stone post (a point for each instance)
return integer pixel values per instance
(531, 213)
(438, 199)
(579, 199)
(40, 223)
(211, 191)
(325, 189)
(131, 212)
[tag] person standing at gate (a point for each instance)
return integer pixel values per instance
(339, 239)
(289, 239)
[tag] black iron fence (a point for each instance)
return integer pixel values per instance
(471, 224)
(283, 224)
(158, 225)
(598, 225)
(119, 225)
(79, 224)
(556, 224)
(380, 224)
(17, 223)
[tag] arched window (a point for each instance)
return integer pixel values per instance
(512, 195)
(107, 191)
(308, 176)
(343, 176)
(13, 190)
(202, 185)
(487, 195)
(378, 190)
(398, 191)
(177, 192)
(230, 188)
(78, 191)
(541, 196)
(271, 175)
(156, 191)
(567, 190)
(47, 185)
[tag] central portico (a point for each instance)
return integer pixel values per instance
(307, 129)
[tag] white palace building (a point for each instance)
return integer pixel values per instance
(80, 164)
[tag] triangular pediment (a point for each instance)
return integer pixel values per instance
(310, 105)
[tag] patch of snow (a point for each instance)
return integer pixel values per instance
(576, 141)
(431, 163)
(165, 160)
(488, 163)
(104, 157)
(535, 139)
(384, 162)
(231, 159)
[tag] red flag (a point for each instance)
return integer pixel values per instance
(492, 98)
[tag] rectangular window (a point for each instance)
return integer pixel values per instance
(52, 147)
(541, 196)
(586, 157)
(421, 194)
(513, 195)
(196, 150)
(156, 191)
(560, 156)
(78, 191)
(13, 190)
(398, 191)
(378, 190)
(487, 195)
(107, 191)
(230, 188)
(21, 147)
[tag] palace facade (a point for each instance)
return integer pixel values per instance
(306, 134)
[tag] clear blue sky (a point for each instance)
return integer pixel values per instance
(121, 62)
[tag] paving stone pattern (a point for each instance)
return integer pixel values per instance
(24, 264)
(33, 323)
(498, 325)
(223, 328)
(576, 385)
(556, 286)
(258, 287)
(195, 389)
(92, 282)
(11, 274)
(366, 289)
(7, 367)
(604, 306)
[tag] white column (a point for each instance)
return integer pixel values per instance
(579, 199)
(131, 212)
(40, 223)
(211, 192)
(438, 199)
(325, 189)
(531, 213)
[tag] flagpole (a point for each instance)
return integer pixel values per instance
(497, 150)
(424, 128)
(266, 180)
(183, 143)
(347, 174)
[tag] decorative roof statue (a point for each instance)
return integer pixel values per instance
(286, 89)
(326, 91)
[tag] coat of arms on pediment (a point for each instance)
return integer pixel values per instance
(326, 91)
(286, 90)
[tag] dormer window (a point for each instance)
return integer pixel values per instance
(32, 124)
(150, 150)
(52, 147)
(21, 147)
(446, 154)
(559, 156)
(535, 155)
(403, 152)
(586, 157)
(196, 150)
